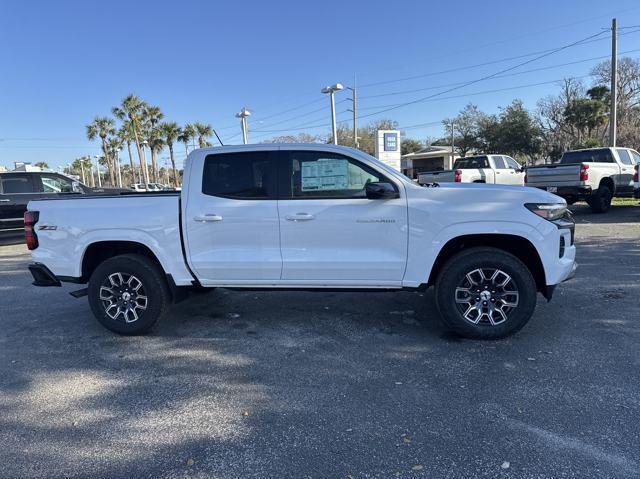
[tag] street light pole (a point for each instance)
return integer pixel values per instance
(331, 90)
(118, 167)
(244, 113)
(145, 172)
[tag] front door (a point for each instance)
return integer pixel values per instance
(16, 190)
(515, 175)
(231, 218)
(330, 232)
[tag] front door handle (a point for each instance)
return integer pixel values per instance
(4, 201)
(299, 217)
(208, 218)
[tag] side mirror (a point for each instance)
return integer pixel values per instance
(380, 191)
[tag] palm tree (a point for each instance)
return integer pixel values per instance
(81, 165)
(171, 132)
(125, 134)
(188, 132)
(103, 126)
(114, 146)
(203, 131)
(133, 109)
(151, 119)
(43, 165)
(156, 143)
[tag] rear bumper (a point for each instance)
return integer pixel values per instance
(42, 276)
(579, 192)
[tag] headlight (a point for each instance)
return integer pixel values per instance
(548, 211)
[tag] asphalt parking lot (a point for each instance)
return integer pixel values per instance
(324, 385)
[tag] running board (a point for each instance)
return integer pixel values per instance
(79, 293)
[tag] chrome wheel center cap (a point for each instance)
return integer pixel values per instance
(484, 296)
(127, 296)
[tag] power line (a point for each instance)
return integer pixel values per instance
(492, 62)
(402, 92)
(486, 77)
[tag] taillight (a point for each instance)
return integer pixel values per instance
(584, 172)
(635, 175)
(30, 220)
(457, 176)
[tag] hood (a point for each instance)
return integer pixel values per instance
(506, 193)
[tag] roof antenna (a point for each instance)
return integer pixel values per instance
(218, 136)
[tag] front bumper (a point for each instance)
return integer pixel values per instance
(42, 276)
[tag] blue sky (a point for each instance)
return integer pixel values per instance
(65, 62)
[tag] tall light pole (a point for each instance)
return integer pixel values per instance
(614, 83)
(331, 90)
(98, 171)
(244, 113)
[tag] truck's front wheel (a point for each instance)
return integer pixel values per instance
(128, 294)
(485, 293)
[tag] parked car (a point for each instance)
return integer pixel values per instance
(149, 187)
(595, 175)
(308, 217)
(636, 179)
(495, 169)
(19, 187)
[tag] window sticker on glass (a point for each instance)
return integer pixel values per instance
(325, 175)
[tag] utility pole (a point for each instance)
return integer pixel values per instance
(614, 83)
(354, 110)
(118, 167)
(82, 170)
(331, 90)
(244, 113)
(453, 150)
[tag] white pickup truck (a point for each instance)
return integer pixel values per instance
(595, 175)
(494, 169)
(306, 217)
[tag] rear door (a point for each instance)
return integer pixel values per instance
(231, 218)
(515, 175)
(16, 190)
(331, 233)
(501, 170)
(627, 164)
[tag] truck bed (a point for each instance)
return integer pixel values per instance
(152, 219)
(435, 177)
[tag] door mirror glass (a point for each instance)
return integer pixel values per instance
(378, 190)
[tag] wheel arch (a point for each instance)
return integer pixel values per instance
(609, 183)
(99, 251)
(516, 245)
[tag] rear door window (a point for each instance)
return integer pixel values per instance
(499, 162)
(243, 175)
(625, 157)
(17, 184)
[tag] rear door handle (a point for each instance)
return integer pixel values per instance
(208, 218)
(4, 201)
(299, 217)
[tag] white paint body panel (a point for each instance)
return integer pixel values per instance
(350, 243)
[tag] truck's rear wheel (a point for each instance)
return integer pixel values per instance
(600, 201)
(485, 293)
(128, 294)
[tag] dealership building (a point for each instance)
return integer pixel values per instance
(431, 158)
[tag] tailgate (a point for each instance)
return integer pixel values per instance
(435, 177)
(554, 175)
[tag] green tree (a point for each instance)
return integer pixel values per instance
(125, 134)
(156, 143)
(409, 145)
(103, 127)
(114, 145)
(171, 132)
(188, 134)
(466, 127)
(203, 132)
(133, 109)
(42, 165)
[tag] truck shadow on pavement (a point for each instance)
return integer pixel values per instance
(617, 214)
(295, 384)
